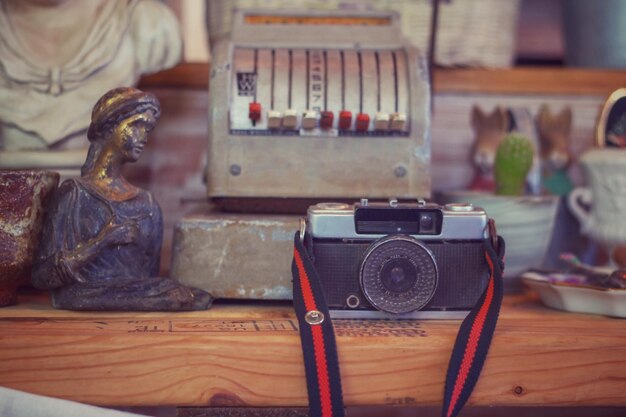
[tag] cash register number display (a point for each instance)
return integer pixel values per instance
(282, 91)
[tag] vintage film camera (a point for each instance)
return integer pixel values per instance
(414, 260)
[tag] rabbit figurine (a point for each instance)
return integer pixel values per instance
(489, 130)
(554, 139)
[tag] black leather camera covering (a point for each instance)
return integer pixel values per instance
(463, 272)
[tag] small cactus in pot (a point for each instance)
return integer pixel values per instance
(514, 160)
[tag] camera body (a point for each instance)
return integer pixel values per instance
(396, 260)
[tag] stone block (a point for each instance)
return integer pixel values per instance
(235, 255)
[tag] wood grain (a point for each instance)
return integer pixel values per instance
(529, 80)
(519, 80)
(242, 412)
(186, 75)
(249, 355)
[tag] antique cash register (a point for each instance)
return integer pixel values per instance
(307, 105)
(318, 105)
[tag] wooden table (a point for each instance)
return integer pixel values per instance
(249, 355)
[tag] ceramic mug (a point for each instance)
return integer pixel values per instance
(600, 207)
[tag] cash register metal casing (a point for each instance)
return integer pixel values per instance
(275, 80)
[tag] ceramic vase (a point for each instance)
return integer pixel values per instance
(23, 199)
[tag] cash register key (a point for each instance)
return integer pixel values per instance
(381, 121)
(290, 119)
(345, 119)
(362, 122)
(274, 119)
(398, 121)
(255, 112)
(309, 119)
(326, 119)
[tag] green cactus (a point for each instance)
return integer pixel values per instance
(514, 159)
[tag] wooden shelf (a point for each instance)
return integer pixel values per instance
(529, 80)
(521, 80)
(249, 354)
(189, 76)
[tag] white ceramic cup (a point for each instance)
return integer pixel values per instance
(601, 206)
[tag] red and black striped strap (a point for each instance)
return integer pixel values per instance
(474, 337)
(320, 350)
(318, 338)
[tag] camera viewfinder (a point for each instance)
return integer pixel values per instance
(387, 220)
(428, 223)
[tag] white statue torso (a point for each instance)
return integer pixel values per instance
(53, 71)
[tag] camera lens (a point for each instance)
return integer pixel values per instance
(398, 274)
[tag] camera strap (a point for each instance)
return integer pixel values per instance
(321, 364)
(320, 350)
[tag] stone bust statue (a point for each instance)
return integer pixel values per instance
(101, 241)
(57, 57)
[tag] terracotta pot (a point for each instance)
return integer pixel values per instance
(23, 198)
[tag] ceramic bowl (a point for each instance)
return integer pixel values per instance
(526, 224)
(23, 199)
(577, 298)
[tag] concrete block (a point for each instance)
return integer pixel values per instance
(235, 255)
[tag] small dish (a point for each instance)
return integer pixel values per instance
(570, 292)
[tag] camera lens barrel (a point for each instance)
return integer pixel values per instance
(398, 274)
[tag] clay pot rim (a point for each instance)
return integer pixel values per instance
(524, 199)
(30, 172)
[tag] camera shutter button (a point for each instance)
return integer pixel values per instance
(459, 207)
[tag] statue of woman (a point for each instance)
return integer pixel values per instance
(101, 242)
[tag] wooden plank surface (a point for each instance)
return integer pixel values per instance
(519, 80)
(249, 355)
(529, 80)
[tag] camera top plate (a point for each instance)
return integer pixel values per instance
(339, 221)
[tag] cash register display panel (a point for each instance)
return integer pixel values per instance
(309, 104)
(326, 92)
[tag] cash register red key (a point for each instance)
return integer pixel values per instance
(326, 119)
(362, 122)
(255, 112)
(345, 119)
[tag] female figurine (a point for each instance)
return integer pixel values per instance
(101, 242)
